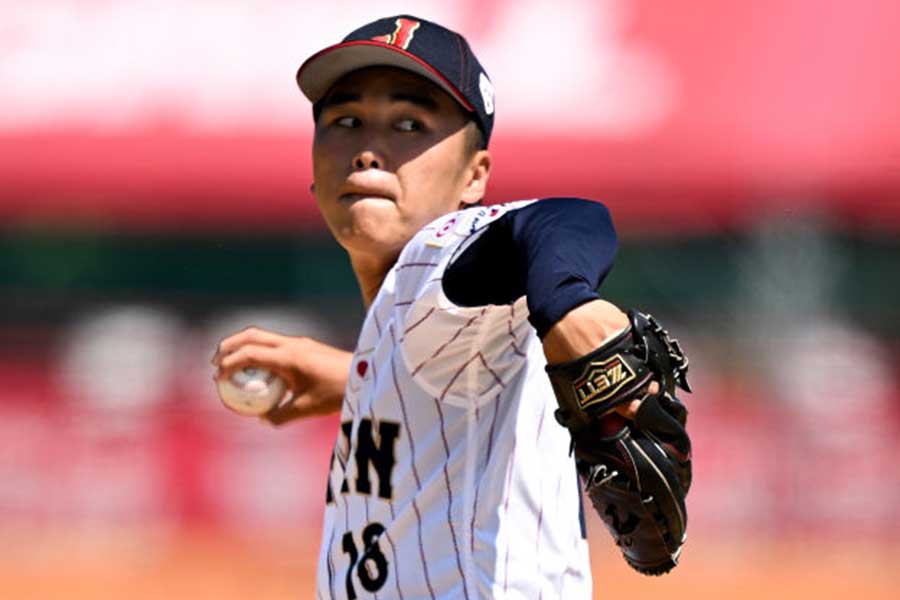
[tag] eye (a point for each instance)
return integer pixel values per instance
(348, 122)
(408, 125)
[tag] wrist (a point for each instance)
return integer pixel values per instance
(582, 330)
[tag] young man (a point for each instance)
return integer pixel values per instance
(450, 477)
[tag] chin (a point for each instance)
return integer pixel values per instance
(372, 244)
(373, 227)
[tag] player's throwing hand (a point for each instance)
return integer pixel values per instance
(314, 372)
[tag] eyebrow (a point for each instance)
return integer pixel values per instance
(421, 100)
(337, 98)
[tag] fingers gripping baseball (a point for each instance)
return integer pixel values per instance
(277, 359)
(250, 335)
(254, 347)
(315, 373)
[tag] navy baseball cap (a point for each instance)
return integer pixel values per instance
(409, 43)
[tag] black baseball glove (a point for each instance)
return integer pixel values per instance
(636, 473)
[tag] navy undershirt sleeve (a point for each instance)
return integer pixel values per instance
(554, 251)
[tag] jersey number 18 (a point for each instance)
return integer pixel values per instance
(372, 566)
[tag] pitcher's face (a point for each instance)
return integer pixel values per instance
(390, 154)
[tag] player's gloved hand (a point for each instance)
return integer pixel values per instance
(636, 472)
(581, 331)
(316, 373)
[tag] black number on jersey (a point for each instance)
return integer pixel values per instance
(372, 566)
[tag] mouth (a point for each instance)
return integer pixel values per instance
(367, 186)
(350, 197)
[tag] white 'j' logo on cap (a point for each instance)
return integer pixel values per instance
(487, 93)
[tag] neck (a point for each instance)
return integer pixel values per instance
(370, 272)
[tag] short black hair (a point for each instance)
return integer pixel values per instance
(474, 137)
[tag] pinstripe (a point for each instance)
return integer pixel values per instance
(341, 462)
(374, 378)
(512, 456)
(537, 535)
(387, 536)
(376, 321)
(412, 453)
(462, 575)
(493, 373)
(362, 554)
(509, 329)
(420, 321)
(396, 562)
(347, 403)
(516, 350)
(469, 488)
(559, 479)
(346, 512)
(474, 504)
(366, 498)
(422, 550)
(537, 541)
(455, 376)
(540, 424)
(487, 460)
(459, 371)
(330, 564)
(443, 346)
(415, 264)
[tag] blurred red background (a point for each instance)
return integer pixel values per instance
(154, 168)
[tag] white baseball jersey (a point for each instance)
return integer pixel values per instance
(450, 476)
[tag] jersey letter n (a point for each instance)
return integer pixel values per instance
(375, 451)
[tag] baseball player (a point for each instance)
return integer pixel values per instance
(451, 476)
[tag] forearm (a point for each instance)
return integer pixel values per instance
(583, 330)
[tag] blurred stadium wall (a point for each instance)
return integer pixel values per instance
(153, 193)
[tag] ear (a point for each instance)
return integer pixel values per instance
(478, 172)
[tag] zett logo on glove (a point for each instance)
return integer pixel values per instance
(601, 380)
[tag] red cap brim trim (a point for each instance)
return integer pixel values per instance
(437, 77)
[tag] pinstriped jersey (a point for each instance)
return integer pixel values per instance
(450, 477)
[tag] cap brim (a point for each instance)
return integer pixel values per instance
(321, 70)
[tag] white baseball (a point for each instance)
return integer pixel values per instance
(251, 391)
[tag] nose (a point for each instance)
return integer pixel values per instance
(367, 160)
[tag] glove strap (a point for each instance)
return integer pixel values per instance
(616, 371)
